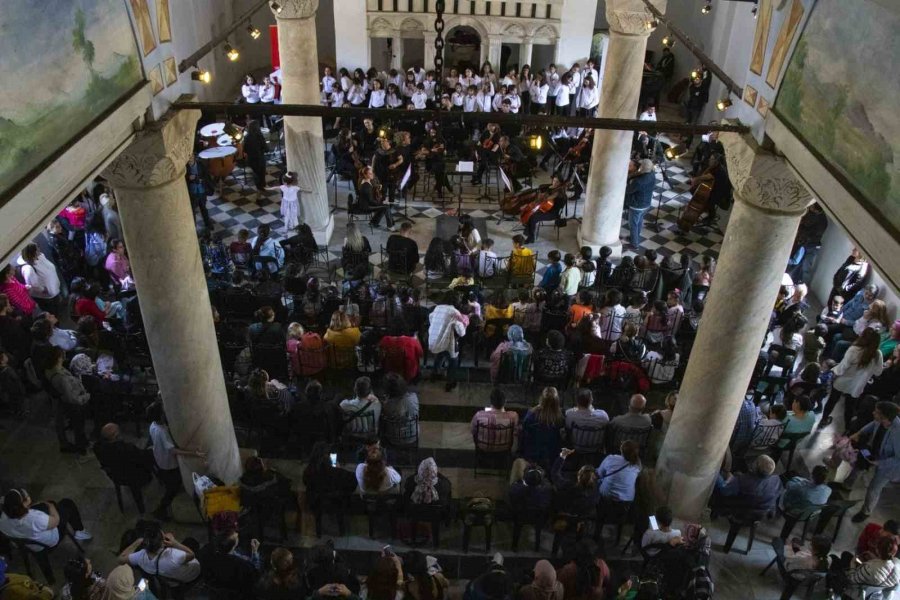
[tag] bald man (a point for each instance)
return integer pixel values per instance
(635, 417)
(124, 463)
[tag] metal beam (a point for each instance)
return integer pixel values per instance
(205, 49)
(696, 51)
(309, 110)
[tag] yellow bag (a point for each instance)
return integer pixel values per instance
(222, 498)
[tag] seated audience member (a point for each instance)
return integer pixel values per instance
(424, 581)
(340, 333)
(661, 365)
(553, 272)
(159, 553)
(82, 581)
(46, 330)
(797, 557)
(665, 414)
(542, 427)
(121, 585)
(282, 580)
(397, 342)
(487, 259)
(583, 414)
(748, 417)
(586, 576)
(867, 543)
(437, 260)
(775, 418)
(881, 570)
(428, 486)
(531, 493)
(554, 362)
(374, 476)
(629, 347)
(758, 490)
(363, 403)
(263, 488)
(300, 347)
(322, 477)
(118, 266)
(240, 249)
(225, 566)
(266, 330)
(325, 566)
(521, 261)
(385, 580)
(518, 349)
(586, 338)
(664, 534)
(403, 251)
(399, 402)
(44, 522)
(576, 491)
(801, 493)
(544, 585)
(618, 473)
(495, 415)
(72, 401)
(582, 307)
(801, 418)
(635, 417)
(124, 462)
(265, 246)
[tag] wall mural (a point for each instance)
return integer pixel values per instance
(838, 94)
(66, 64)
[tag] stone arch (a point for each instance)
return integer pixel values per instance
(546, 32)
(468, 21)
(514, 30)
(410, 25)
(380, 27)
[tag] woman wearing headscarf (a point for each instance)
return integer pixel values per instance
(544, 586)
(120, 585)
(428, 486)
(515, 344)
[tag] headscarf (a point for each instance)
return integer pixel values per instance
(426, 483)
(119, 584)
(516, 336)
(81, 365)
(545, 578)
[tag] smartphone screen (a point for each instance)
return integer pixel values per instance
(866, 454)
(653, 524)
(333, 457)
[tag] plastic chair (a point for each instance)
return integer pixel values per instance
(737, 521)
(42, 556)
(802, 516)
(614, 512)
(536, 518)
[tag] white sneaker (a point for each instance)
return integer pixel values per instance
(83, 535)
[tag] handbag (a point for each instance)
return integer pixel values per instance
(201, 484)
(223, 498)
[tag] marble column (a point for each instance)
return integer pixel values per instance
(622, 76)
(428, 39)
(303, 139)
(526, 47)
(769, 201)
(495, 46)
(397, 52)
(153, 201)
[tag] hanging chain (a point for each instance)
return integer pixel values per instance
(439, 47)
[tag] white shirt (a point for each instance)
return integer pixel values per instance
(589, 98)
(397, 80)
(539, 93)
(394, 101)
(41, 277)
(647, 116)
(376, 99)
(445, 326)
(32, 526)
(658, 537)
(483, 103)
(470, 103)
(356, 95)
(327, 82)
(850, 378)
(267, 93)
(346, 82)
(337, 99)
(392, 478)
(459, 99)
(594, 75)
(63, 338)
(514, 102)
(576, 78)
(163, 447)
(419, 99)
(525, 84)
(250, 93)
(419, 75)
(562, 96)
(552, 80)
(429, 88)
(170, 564)
(496, 102)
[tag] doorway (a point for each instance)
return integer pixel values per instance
(463, 49)
(381, 53)
(509, 58)
(541, 57)
(413, 53)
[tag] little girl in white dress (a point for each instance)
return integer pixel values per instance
(290, 201)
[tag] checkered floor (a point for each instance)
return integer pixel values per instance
(241, 206)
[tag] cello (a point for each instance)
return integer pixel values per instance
(698, 205)
(544, 202)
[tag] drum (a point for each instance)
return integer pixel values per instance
(210, 134)
(219, 160)
(224, 140)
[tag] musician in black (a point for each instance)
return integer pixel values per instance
(433, 151)
(370, 200)
(405, 154)
(557, 189)
(709, 146)
(367, 139)
(715, 175)
(343, 151)
(513, 162)
(386, 163)
(487, 151)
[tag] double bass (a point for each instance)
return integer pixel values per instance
(698, 205)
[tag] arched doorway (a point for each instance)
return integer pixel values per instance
(463, 48)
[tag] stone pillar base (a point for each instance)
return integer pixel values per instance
(595, 245)
(323, 234)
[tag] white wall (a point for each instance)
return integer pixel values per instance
(576, 30)
(351, 45)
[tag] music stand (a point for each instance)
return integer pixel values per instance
(509, 188)
(662, 162)
(577, 177)
(401, 189)
(463, 167)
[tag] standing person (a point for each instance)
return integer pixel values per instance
(250, 90)
(638, 199)
(401, 246)
(196, 182)
(118, 265)
(40, 278)
(851, 276)
(16, 293)
(881, 440)
(255, 149)
(290, 200)
(446, 324)
(537, 91)
(862, 361)
(588, 98)
(165, 455)
(807, 243)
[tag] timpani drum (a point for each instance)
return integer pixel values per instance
(211, 133)
(224, 140)
(219, 160)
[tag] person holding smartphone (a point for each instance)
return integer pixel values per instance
(879, 445)
(121, 585)
(660, 531)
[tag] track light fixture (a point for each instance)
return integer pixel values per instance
(695, 74)
(722, 104)
(651, 24)
(232, 53)
(234, 131)
(668, 42)
(673, 152)
(707, 8)
(253, 31)
(201, 75)
(535, 142)
(275, 7)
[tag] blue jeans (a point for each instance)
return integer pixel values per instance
(635, 224)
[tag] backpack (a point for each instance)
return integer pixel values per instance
(21, 587)
(700, 585)
(479, 508)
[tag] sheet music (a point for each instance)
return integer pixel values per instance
(406, 177)
(465, 166)
(505, 178)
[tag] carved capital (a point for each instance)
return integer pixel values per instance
(630, 17)
(296, 9)
(159, 153)
(762, 179)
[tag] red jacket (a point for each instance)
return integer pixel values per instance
(411, 349)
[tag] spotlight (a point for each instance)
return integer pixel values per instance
(535, 142)
(253, 31)
(651, 24)
(707, 8)
(236, 133)
(232, 53)
(276, 7)
(673, 152)
(668, 42)
(201, 76)
(695, 74)
(723, 104)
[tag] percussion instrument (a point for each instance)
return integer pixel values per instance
(219, 160)
(224, 140)
(211, 133)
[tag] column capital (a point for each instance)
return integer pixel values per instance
(159, 153)
(762, 179)
(296, 9)
(630, 17)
